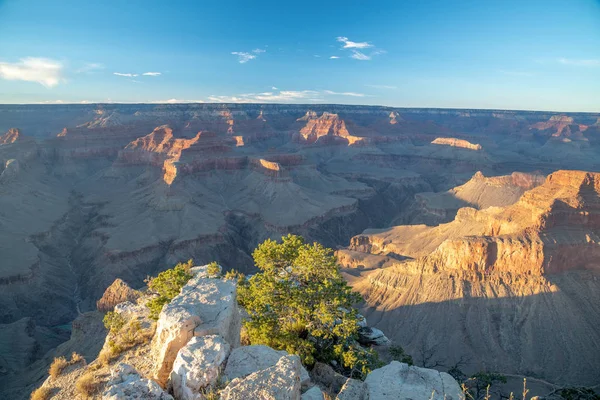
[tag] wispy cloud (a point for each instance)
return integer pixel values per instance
(333, 57)
(348, 44)
(177, 101)
(33, 69)
(352, 94)
(283, 96)
(273, 88)
(580, 62)
(357, 55)
(125, 74)
(382, 86)
(358, 49)
(151, 73)
(244, 57)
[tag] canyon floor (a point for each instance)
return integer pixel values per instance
(467, 244)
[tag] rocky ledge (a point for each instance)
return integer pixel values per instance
(195, 354)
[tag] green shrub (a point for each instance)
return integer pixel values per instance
(167, 285)
(234, 275)
(213, 270)
(113, 321)
(398, 354)
(300, 303)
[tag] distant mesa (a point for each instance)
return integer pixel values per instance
(326, 128)
(457, 143)
(561, 125)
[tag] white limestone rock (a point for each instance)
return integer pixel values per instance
(127, 384)
(281, 382)
(248, 359)
(314, 393)
(197, 366)
(204, 307)
(353, 389)
(400, 381)
(368, 335)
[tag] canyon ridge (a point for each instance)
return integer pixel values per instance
(473, 235)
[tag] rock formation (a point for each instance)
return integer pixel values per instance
(206, 363)
(495, 279)
(457, 143)
(117, 292)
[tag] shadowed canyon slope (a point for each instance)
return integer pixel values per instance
(91, 193)
(512, 289)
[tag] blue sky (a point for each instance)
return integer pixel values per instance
(526, 54)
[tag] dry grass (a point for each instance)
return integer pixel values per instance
(57, 367)
(60, 363)
(77, 358)
(129, 336)
(87, 385)
(42, 393)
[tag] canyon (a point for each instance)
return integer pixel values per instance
(454, 225)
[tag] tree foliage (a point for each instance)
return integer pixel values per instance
(167, 285)
(300, 303)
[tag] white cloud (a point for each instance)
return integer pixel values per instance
(352, 94)
(243, 57)
(32, 69)
(177, 101)
(151, 73)
(382, 86)
(258, 51)
(357, 55)
(353, 45)
(284, 96)
(273, 88)
(580, 63)
(333, 57)
(122, 74)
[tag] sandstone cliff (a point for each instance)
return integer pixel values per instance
(490, 284)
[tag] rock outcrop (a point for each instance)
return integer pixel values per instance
(495, 265)
(118, 292)
(281, 382)
(247, 359)
(126, 383)
(401, 381)
(205, 307)
(197, 366)
(11, 136)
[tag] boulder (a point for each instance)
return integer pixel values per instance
(352, 390)
(126, 383)
(327, 377)
(197, 366)
(400, 381)
(116, 293)
(204, 307)
(368, 335)
(248, 359)
(281, 382)
(314, 393)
